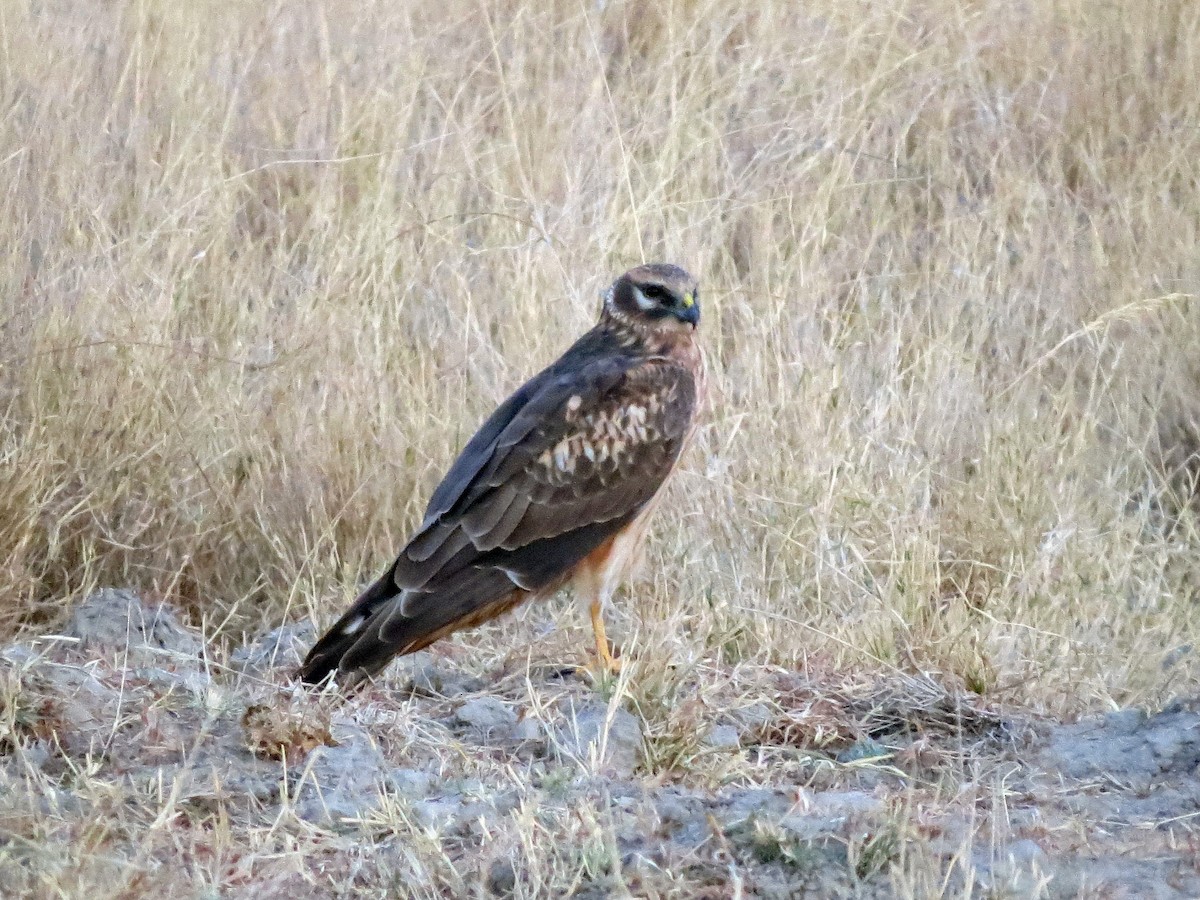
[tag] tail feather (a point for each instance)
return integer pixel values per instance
(325, 658)
(470, 589)
(363, 641)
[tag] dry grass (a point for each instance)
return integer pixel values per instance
(266, 267)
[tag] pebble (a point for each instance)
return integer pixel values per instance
(592, 729)
(490, 717)
(723, 737)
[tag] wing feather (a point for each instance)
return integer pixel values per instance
(481, 519)
(599, 451)
(507, 524)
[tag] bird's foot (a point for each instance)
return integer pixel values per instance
(607, 662)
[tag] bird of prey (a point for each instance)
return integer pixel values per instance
(555, 488)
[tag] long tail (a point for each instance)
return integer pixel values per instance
(351, 631)
(377, 628)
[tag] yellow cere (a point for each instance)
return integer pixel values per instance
(688, 300)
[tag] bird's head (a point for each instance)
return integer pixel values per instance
(657, 295)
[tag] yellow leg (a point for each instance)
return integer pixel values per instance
(607, 660)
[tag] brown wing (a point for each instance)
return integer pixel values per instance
(583, 458)
(563, 465)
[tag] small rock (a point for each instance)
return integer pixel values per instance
(1166, 743)
(864, 749)
(166, 681)
(440, 814)
(825, 813)
(479, 817)
(1173, 657)
(489, 717)
(1174, 738)
(345, 781)
(220, 779)
(684, 817)
(723, 737)
(613, 736)
(280, 648)
(112, 619)
(1124, 721)
(71, 705)
(47, 801)
(504, 803)
(528, 730)
(412, 784)
(1025, 853)
(36, 754)
(753, 718)
(1015, 870)
(430, 679)
(18, 655)
(502, 878)
(745, 803)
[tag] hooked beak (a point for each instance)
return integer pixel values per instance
(689, 310)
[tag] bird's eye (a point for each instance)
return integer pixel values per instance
(656, 292)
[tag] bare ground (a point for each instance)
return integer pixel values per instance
(133, 763)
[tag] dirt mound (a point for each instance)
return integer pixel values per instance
(124, 749)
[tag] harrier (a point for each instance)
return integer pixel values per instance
(555, 488)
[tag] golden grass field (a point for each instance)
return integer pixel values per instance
(267, 266)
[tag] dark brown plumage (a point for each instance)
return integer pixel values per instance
(556, 486)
